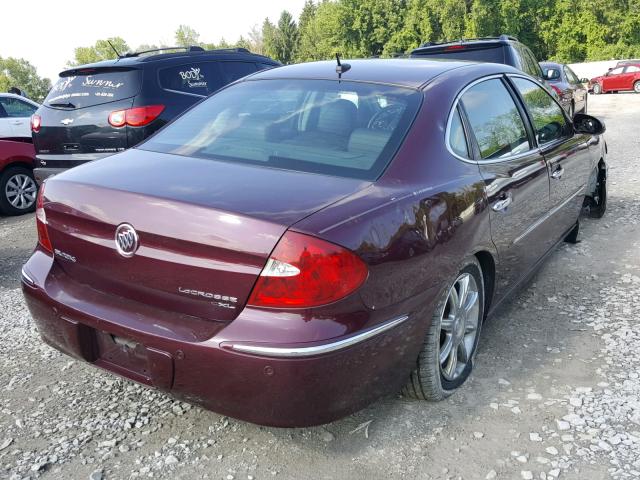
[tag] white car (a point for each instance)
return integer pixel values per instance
(15, 115)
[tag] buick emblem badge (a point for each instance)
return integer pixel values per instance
(126, 240)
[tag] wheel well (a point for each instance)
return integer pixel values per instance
(488, 266)
(17, 162)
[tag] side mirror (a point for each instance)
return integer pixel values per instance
(587, 124)
(551, 74)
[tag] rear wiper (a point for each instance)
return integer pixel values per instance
(63, 105)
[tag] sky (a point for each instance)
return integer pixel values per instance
(55, 28)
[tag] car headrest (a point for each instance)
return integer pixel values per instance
(365, 140)
(337, 117)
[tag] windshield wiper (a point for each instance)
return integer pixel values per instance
(63, 105)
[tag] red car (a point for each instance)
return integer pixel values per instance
(314, 236)
(622, 78)
(18, 189)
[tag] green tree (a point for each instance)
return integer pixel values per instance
(100, 51)
(17, 72)
(186, 36)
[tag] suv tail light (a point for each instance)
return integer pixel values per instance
(36, 123)
(136, 116)
(41, 222)
(304, 271)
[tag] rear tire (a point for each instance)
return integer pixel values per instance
(446, 358)
(636, 86)
(18, 191)
(597, 89)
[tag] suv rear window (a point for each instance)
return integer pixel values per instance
(94, 87)
(337, 128)
(489, 53)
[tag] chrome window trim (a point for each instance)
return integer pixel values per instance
(447, 142)
(298, 352)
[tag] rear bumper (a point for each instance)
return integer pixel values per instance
(272, 384)
(49, 165)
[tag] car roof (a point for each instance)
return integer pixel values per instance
(552, 64)
(138, 61)
(405, 72)
(19, 97)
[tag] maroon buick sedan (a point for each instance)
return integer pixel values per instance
(310, 239)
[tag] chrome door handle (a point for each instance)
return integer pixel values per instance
(557, 173)
(502, 204)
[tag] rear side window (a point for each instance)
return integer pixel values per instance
(16, 108)
(457, 138)
(200, 78)
(336, 128)
(495, 120)
(93, 87)
(548, 118)
(632, 69)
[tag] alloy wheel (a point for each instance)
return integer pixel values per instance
(21, 191)
(459, 327)
(597, 89)
(636, 87)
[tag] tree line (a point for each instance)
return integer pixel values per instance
(564, 30)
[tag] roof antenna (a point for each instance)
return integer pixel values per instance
(114, 49)
(341, 67)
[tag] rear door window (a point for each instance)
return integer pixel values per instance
(201, 78)
(495, 120)
(94, 87)
(632, 69)
(548, 118)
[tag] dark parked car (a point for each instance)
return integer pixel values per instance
(298, 245)
(570, 89)
(96, 110)
(503, 49)
(622, 78)
(18, 188)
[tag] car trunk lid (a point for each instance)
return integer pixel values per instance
(205, 228)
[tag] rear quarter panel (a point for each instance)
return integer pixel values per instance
(422, 218)
(12, 153)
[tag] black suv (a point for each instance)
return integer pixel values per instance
(503, 49)
(96, 110)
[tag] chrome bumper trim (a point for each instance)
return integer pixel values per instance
(27, 279)
(296, 352)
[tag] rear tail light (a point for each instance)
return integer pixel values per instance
(304, 271)
(36, 123)
(41, 222)
(557, 90)
(136, 116)
(455, 47)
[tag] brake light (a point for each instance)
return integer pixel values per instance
(304, 271)
(41, 222)
(36, 123)
(455, 47)
(136, 116)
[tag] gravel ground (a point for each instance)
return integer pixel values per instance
(555, 393)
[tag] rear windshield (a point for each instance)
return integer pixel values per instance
(94, 87)
(337, 128)
(488, 54)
